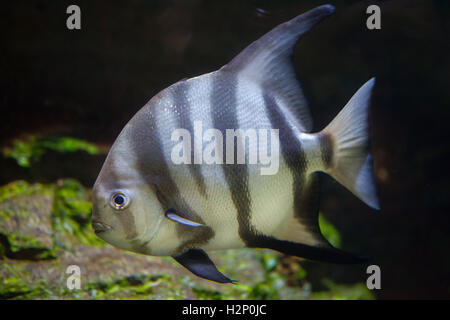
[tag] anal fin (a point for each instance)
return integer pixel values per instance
(199, 263)
(317, 253)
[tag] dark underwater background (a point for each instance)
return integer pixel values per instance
(66, 94)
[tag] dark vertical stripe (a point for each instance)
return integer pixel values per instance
(326, 149)
(293, 154)
(186, 121)
(153, 168)
(224, 115)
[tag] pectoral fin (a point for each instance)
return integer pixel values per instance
(175, 217)
(198, 262)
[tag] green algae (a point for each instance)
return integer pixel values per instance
(23, 214)
(18, 284)
(329, 231)
(30, 150)
(71, 213)
(21, 247)
(129, 287)
(21, 187)
(357, 291)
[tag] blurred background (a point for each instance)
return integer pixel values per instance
(66, 94)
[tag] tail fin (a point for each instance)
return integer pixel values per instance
(351, 161)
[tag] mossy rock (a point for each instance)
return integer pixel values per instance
(25, 225)
(71, 213)
(36, 220)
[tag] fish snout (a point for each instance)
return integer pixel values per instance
(100, 227)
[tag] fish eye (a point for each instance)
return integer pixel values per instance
(119, 200)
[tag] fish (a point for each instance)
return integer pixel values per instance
(170, 186)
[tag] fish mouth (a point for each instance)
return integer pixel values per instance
(100, 227)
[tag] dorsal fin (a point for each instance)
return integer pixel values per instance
(268, 61)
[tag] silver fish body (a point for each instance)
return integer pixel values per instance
(145, 202)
